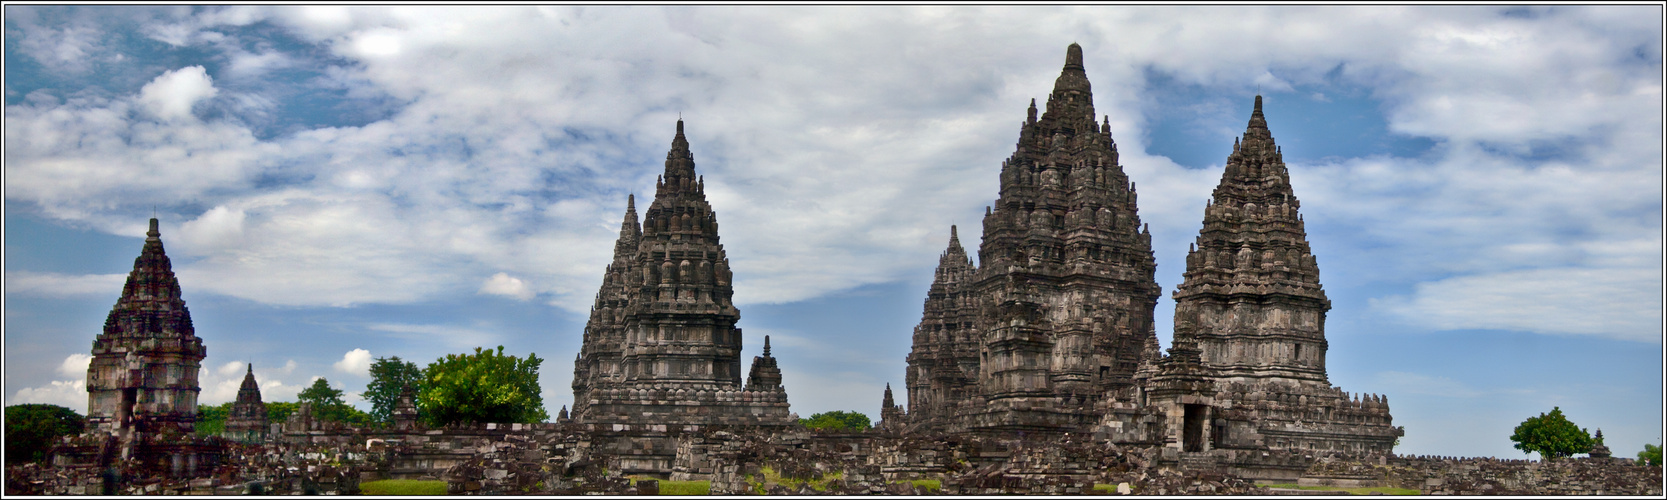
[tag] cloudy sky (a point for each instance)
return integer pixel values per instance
(1483, 185)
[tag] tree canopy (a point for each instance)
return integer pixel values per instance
(837, 421)
(32, 429)
(1650, 456)
(1551, 435)
(328, 404)
(389, 376)
(486, 386)
(211, 420)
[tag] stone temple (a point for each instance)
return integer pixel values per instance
(142, 382)
(1056, 314)
(1051, 331)
(247, 422)
(661, 347)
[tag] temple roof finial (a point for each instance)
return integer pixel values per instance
(153, 234)
(1073, 56)
(766, 345)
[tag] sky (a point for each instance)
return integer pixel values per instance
(1482, 185)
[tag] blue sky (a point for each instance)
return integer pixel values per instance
(1482, 185)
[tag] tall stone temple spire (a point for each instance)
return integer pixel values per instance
(1065, 284)
(597, 362)
(1251, 298)
(943, 365)
(662, 333)
(143, 375)
(247, 422)
(1250, 341)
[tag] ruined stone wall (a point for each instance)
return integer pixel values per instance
(1492, 476)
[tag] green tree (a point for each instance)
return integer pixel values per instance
(278, 411)
(328, 404)
(1650, 456)
(483, 387)
(32, 429)
(211, 420)
(837, 421)
(1551, 435)
(389, 376)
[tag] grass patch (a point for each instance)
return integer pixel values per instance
(668, 487)
(932, 485)
(1104, 489)
(1352, 491)
(403, 487)
(685, 488)
(767, 477)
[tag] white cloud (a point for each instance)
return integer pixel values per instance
(70, 394)
(76, 365)
(232, 369)
(63, 285)
(172, 95)
(218, 229)
(505, 285)
(835, 160)
(356, 362)
(1617, 303)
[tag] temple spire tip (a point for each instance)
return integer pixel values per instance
(1073, 55)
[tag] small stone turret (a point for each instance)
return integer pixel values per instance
(765, 376)
(247, 421)
(1599, 451)
(405, 410)
(891, 415)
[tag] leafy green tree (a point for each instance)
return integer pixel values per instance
(483, 387)
(1650, 456)
(328, 404)
(278, 411)
(1552, 436)
(389, 376)
(211, 420)
(32, 429)
(837, 421)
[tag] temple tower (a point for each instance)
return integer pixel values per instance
(247, 422)
(943, 365)
(661, 350)
(663, 332)
(1065, 285)
(1251, 298)
(597, 363)
(142, 380)
(1252, 305)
